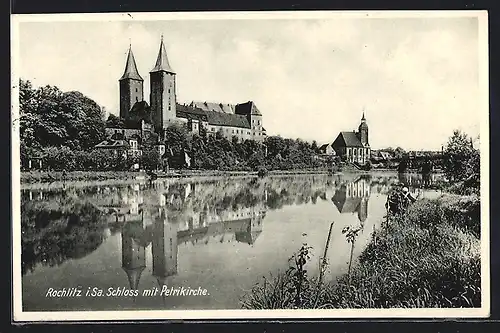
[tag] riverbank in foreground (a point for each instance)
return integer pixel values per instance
(430, 257)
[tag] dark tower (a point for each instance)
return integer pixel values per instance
(363, 131)
(131, 86)
(133, 253)
(164, 247)
(163, 98)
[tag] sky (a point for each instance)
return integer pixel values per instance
(416, 79)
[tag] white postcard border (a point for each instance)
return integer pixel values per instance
(22, 316)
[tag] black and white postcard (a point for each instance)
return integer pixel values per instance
(240, 165)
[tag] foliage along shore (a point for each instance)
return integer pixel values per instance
(38, 176)
(429, 257)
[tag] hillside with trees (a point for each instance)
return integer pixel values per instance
(62, 129)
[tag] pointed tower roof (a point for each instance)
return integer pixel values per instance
(134, 276)
(131, 71)
(363, 122)
(162, 63)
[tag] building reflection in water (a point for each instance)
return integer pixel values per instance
(172, 227)
(133, 251)
(353, 197)
(164, 245)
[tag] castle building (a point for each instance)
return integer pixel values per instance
(243, 120)
(354, 146)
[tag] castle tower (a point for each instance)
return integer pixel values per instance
(131, 86)
(164, 248)
(363, 131)
(163, 97)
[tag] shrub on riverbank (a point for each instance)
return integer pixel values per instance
(428, 258)
(424, 259)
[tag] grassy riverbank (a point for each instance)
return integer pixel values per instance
(52, 176)
(429, 257)
(28, 177)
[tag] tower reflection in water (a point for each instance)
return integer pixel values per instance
(167, 231)
(353, 197)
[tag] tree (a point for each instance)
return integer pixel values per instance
(314, 146)
(399, 152)
(461, 159)
(114, 121)
(52, 118)
(176, 138)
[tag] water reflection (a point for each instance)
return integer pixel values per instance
(167, 232)
(353, 197)
(198, 212)
(171, 221)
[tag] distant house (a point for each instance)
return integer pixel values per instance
(129, 141)
(354, 146)
(115, 146)
(379, 155)
(326, 149)
(385, 155)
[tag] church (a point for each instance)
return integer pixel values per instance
(242, 120)
(354, 146)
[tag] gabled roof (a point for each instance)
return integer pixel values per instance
(225, 119)
(131, 71)
(190, 112)
(162, 63)
(248, 108)
(349, 139)
(218, 118)
(323, 147)
(216, 107)
(113, 144)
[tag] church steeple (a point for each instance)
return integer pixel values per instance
(163, 98)
(162, 63)
(131, 71)
(131, 86)
(363, 131)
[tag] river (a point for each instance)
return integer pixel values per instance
(220, 235)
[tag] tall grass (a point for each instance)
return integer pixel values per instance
(429, 257)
